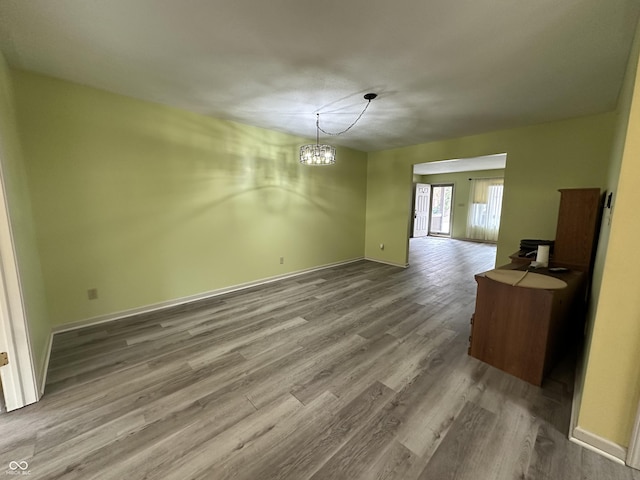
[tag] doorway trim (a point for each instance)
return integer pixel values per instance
(453, 193)
(18, 377)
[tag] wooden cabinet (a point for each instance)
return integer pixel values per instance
(577, 231)
(523, 331)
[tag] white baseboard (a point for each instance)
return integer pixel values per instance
(393, 264)
(191, 298)
(602, 446)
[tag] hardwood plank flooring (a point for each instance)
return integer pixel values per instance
(353, 372)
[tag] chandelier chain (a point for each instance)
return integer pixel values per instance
(346, 129)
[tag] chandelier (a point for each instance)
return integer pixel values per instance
(317, 154)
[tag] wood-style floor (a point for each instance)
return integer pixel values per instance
(353, 372)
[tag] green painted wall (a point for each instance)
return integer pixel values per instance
(611, 391)
(541, 159)
(22, 226)
(461, 189)
(147, 203)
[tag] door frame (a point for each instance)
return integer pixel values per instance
(19, 381)
(453, 192)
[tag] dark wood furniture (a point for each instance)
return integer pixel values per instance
(523, 330)
(577, 231)
(520, 330)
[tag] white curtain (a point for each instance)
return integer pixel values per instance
(485, 207)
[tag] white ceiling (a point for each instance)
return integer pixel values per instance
(486, 162)
(442, 68)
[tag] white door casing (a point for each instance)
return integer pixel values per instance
(440, 222)
(19, 382)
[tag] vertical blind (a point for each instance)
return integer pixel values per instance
(485, 207)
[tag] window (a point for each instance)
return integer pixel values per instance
(485, 208)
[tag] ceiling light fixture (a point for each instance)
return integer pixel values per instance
(316, 154)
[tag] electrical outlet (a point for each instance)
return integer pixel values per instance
(281, 260)
(92, 293)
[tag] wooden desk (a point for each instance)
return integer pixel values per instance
(523, 331)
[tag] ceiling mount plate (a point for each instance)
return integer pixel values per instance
(370, 96)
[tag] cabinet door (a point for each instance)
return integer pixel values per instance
(510, 328)
(578, 222)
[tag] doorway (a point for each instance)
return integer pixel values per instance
(432, 213)
(440, 216)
